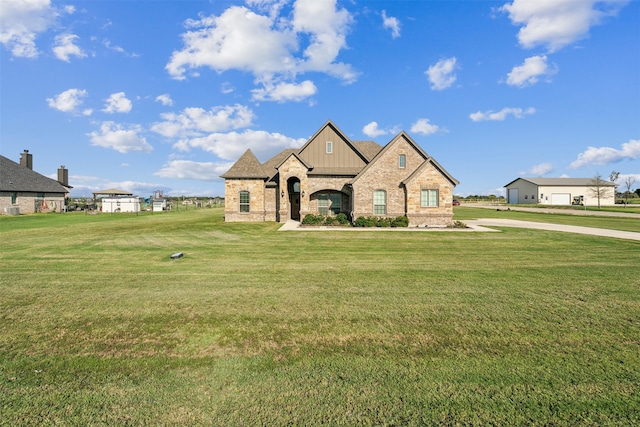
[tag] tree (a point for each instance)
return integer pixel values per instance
(628, 183)
(598, 188)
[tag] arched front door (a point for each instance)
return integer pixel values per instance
(293, 187)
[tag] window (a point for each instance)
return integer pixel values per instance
(336, 203)
(244, 201)
(329, 147)
(429, 198)
(14, 197)
(402, 161)
(323, 204)
(379, 202)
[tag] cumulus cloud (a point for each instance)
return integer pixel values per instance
(501, 115)
(285, 91)
(67, 101)
(116, 137)
(117, 103)
(530, 71)
(558, 23)
(188, 169)
(269, 46)
(21, 22)
(424, 127)
(539, 170)
(164, 99)
(64, 47)
(605, 155)
(442, 75)
(392, 24)
(372, 130)
(197, 122)
(231, 145)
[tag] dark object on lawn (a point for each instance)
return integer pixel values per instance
(177, 255)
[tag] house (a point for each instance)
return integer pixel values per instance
(561, 191)
(331, 174)
(22, 190)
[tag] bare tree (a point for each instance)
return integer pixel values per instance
(628, 183)
(599, 188)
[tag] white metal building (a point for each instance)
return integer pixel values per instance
(561, 191)
(121, 204)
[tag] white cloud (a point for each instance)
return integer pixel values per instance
(501, 115)
(271, 47)
(164, 99)
(117, 103)
(530, 71)
(285, 91)
(116, 137)
(20, 23)
(64, 47)
(391, 23)
(441, 75)
(197, 122)
(557, 23)
(68, 101)
(188, 169)
(423, 127)
(230, 146)
(372, 130)
(539, 170)
(605, 155)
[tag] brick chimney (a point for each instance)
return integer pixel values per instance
(26, 159)
(63, 176)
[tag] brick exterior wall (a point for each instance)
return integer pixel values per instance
(385, 174)
(255, 187)
(429, 179)
(292, 168)
(26, 202)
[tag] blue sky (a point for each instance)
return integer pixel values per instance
(166, 95)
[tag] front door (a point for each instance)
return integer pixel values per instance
(295, 206)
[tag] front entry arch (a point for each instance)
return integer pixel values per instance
(293, 189)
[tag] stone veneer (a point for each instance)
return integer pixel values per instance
(256, 190)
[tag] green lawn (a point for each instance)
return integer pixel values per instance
(98, 326)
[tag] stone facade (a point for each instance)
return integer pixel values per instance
(292, 184)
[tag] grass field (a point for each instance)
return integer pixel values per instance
(98, 326)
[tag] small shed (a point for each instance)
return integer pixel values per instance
(121, 204)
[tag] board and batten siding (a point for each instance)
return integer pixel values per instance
(342, 155)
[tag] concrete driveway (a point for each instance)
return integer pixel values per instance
(479, 224)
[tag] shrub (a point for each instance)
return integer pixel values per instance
(362, 221)
(458, 224)
(342, 219)
(311, 219)
(401, 221)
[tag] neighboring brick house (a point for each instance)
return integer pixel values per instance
(331, 174)
(22, 190)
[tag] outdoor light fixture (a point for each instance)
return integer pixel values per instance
(302, 193)
(282, 193)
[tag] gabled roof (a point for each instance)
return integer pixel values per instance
(431, 161)
(337, 130)
(295, 154)
(387, 147)
(247, 166)
(15, 177)
(370, 149)
(566, 182)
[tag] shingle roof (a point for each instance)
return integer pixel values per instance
(247, 166)
(564, 182)
(15, 177)
(368, 148)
